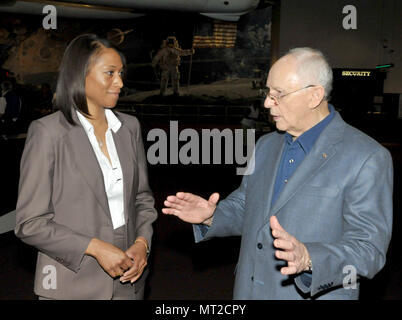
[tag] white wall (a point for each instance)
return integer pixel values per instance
(318, 24)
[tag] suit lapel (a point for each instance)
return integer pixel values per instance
(87, 164)
(123, 143)
(323, 150)
(89, 167)
(270, 169)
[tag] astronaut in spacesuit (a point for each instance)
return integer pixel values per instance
(168, 59)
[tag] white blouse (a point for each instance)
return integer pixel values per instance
(112, 173)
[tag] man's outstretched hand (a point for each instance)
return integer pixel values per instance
(191, 208)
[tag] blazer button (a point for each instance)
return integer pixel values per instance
(259, 245)
(252, 278)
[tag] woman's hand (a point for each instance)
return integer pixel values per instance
(112, 259)
(138, 254)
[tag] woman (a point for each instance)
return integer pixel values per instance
(84, 200)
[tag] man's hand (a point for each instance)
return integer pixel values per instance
(138, 254)
(291, 249)
(191, 208)
(112, 259)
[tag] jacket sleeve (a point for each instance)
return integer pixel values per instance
(228, 217)
(229, 214)
(35, 214)
(367, 229)
(144, 202)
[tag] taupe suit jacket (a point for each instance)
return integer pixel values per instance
(62, 204)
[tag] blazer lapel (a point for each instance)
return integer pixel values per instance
(123, 143)
(271, 169)
(87, 163)
(323, 150)
(89, 167)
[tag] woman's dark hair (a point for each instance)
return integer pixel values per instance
(74, 67)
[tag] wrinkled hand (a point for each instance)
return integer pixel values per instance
(191, 208)
(291, 250)
(138, 254)
(112, 259)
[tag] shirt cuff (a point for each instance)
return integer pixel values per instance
(306, 278)
(200, 230)
(303, 282)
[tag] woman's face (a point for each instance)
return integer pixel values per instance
(104, 80)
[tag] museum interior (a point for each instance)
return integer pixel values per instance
(219, 83)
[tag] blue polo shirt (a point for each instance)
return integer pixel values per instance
(295, 151)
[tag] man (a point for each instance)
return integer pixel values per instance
(168, 58)
(316, 213)
(10, 103)
(10, 107)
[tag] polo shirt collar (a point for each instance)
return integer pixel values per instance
(308, 138)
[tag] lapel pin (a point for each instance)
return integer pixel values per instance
(324, 155)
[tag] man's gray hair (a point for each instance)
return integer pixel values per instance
(313, 68)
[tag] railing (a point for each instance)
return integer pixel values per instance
(196, 113)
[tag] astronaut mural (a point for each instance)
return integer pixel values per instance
(32, 53)
(168, 60)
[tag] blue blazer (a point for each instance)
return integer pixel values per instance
(338, 203)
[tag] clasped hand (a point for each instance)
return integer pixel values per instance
(128, 265)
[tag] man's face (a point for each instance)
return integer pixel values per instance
(291, 113)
